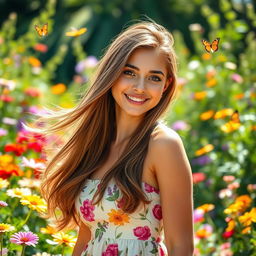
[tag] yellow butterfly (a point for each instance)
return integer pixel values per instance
(76, 32)
(42, 31)
(233, 124)
(213, 47)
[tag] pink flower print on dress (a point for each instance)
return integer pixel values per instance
(87, 210)
(112, 250)
(150, 189)
(157, 211)
(143, 233)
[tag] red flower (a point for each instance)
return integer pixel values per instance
(120, 203)
(143, 233)
(35, 146)
(112, 250)
(87, 210)
(198, 177)
(16, 148)
(41, 48)
(228, 234)
(6, 98)
(150, 189)
(157, 211)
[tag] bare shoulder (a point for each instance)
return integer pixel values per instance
(174, 177)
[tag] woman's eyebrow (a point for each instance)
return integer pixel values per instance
(151, 71)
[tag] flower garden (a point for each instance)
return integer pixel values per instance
(214, 114)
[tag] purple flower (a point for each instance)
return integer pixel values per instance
(89, 62)
(202, 160)
(109, 191)
(24, 238)
(87, 210)
(225, 147)
(180, 125)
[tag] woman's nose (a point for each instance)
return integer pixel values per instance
(140, 84)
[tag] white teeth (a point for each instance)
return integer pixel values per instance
(135, 99)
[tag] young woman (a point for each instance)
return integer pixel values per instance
(123, 176)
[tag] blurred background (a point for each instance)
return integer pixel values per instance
(214, 113)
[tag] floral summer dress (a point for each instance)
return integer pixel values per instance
(115, 233)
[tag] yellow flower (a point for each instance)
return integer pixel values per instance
(34, 202)
(207, 115)
(231, 225)
(6, 159)
(3, 183)
(206, 207)
(76, 32)
(245, 199)
(48, 230)
(234, 208)
(221, 58)
(58, 88)
(118, 217)
(248, 217)
(223, 113)
(62, 238)
(18, 192)
(6, 227)
(207, 148)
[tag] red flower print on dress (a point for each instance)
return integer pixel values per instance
(161, 252)
(143, 233)
(150, 189)
(157, 211)
(112, 250)
(87, 210)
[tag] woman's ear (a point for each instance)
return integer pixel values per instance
(167, 83)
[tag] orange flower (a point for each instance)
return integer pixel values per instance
(245, 199)
(34, 62)
(204, 150)
(239, 96)
(211, 82)
(48, 230)
(200, 95)
(252, 95)
(58, 88)
(210, 74)
(223, 113)
(118, 217)
(207, 115)
(253, 127)
(206, 56)
(206, 207)
(230, 127)
(246, 230)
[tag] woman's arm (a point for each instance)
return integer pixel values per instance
(174, 176)
(84, 236)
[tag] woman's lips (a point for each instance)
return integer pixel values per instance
(135, 102)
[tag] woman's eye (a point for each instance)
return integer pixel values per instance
(128, 72)
(156, 78)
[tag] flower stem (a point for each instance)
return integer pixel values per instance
(63, 249)
(23, 250)
(1, 243)
(25, 221)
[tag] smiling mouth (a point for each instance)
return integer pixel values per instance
(135, 100)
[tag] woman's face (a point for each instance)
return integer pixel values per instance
(141, 83)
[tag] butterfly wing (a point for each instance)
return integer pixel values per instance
(215, 44)
(207, 45)
(42, 31)
(235, 117)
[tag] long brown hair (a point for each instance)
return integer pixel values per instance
(91, 127)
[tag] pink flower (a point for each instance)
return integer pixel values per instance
(157, 211)
(161, 251)
(112, 250)
(150, 189)
(198, 215)
(237, 78)
(4, 251)
(3, 204)
(24, 238)
(87, 210)
(143, 233)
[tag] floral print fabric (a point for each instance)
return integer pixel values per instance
(115, 233)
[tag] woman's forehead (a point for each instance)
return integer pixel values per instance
(148, 59)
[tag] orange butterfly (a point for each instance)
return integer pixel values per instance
(42, 31)
(233, 124)
(75, 32)
(213, 47)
